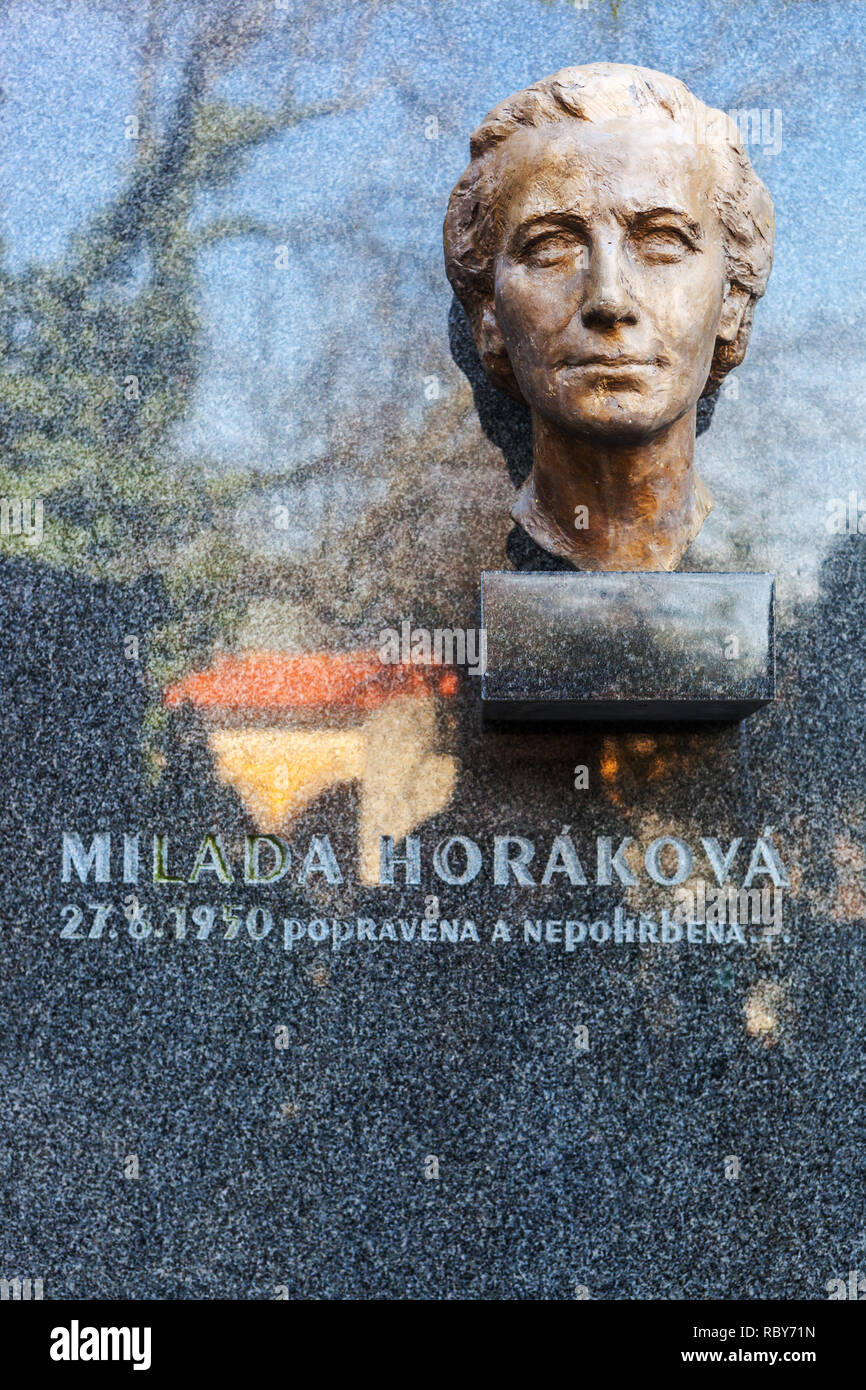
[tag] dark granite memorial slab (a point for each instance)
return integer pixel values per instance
(627, 647)
(255, 442)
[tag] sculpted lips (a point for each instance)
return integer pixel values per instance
(611, 363)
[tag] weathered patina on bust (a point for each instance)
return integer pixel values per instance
(609, 241)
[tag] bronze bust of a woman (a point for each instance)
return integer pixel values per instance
(609, 241)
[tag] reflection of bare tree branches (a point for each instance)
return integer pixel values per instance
(151, 50)
(122, 309)
(195, 145)
(421, 528)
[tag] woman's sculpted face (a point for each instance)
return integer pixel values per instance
(610, 288)
(609, 241)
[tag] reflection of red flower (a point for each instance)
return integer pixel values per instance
(314, 680)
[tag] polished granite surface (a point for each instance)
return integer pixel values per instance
(236, 378)
(626, 647)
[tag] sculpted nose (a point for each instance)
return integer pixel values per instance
(607, 299)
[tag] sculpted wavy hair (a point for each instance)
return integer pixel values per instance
(595, 93)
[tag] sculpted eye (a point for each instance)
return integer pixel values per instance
(555, 248)
(663, 244)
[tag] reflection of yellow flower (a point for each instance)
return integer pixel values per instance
(849, 900)
(609, 762)
(312, 722)
(765, 1007)
(630, 762)
(277, 772)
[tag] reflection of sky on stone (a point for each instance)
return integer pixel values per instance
(272, 523)
(361, 198)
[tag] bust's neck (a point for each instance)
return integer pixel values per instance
(644, 503)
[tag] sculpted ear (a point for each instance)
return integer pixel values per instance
(492, 350)
(732, 335)
(733, 308)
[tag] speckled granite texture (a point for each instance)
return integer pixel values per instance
(234, 375)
